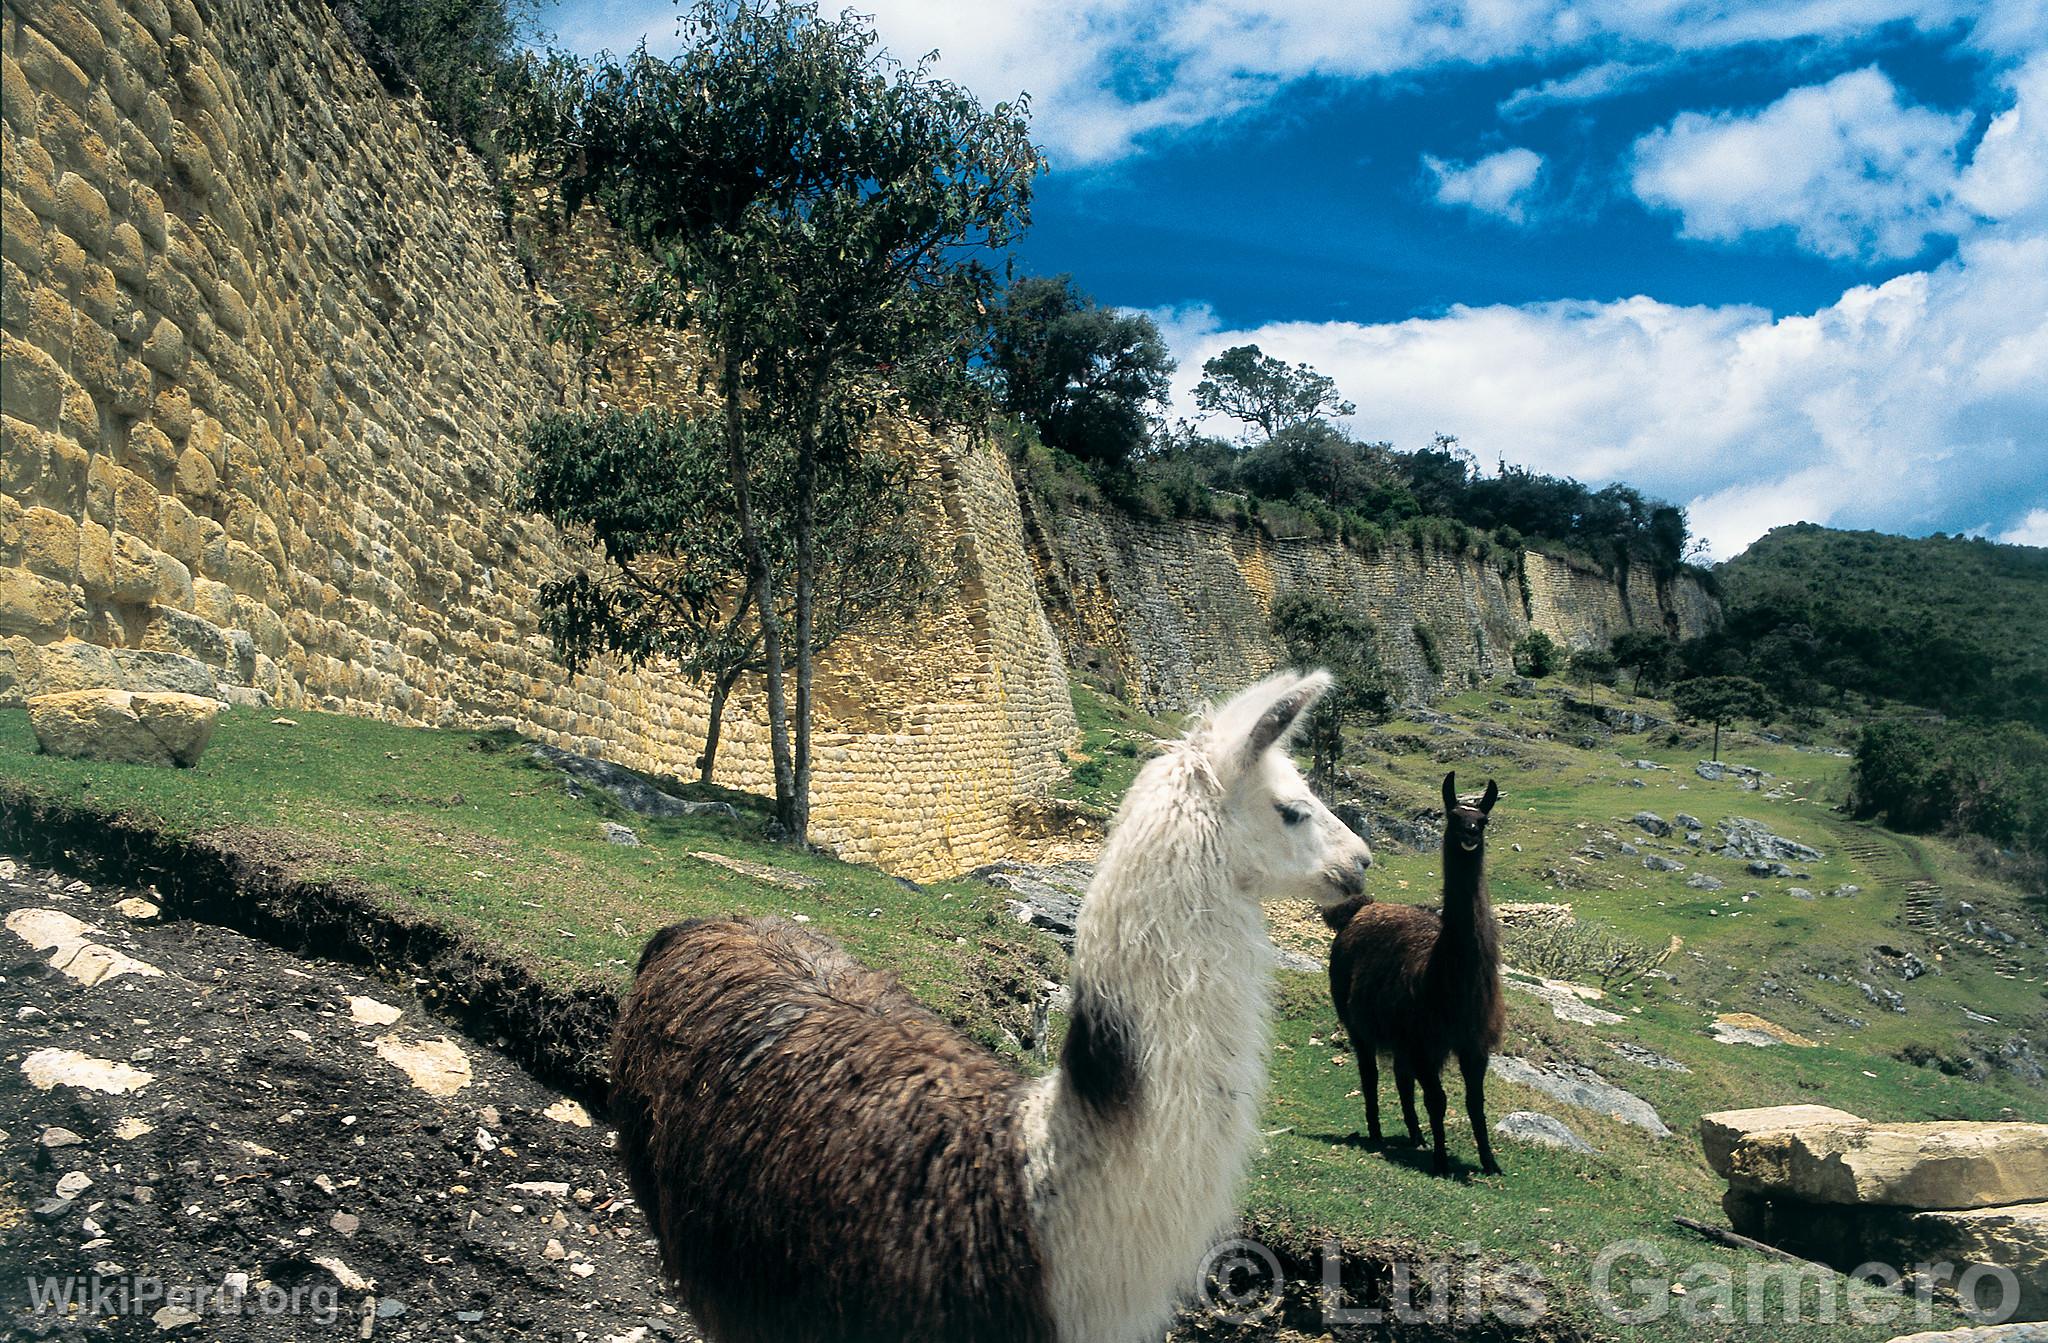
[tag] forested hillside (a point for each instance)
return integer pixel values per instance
(1949, 623)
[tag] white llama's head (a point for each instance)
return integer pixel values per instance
(1279, 841)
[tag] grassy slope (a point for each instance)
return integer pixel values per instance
(469, 828)
(1557, 1210)
(517, 861)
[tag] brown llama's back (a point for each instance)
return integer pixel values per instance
(821, 1159)
(1392, 987)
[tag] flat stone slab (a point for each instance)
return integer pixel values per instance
(1540, 1130)
(1990, 1333)
(1747, 1028)
(1567, 1002)
(1722, 1130)
(1581, 1087)
(1937, 1166)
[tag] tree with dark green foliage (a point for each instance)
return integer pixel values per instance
(1967, 778)
(1317, 632)
(1090, 379)
(1265, 393)
(458, 53)
(651, 491)
(1537, 654)
(1316, 459)
(813, 210)
(1720, 700)
(1652, 654)
(1589, 667)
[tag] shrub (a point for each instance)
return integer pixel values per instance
(1537, 654)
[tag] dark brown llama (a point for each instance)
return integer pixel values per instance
(1422, 987)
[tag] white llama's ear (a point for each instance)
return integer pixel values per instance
(1261, 718)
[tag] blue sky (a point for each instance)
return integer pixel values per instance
(1776, 261)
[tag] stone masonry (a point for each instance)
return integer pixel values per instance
(268, 357)
(1180, 611)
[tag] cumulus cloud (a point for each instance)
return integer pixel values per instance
(1848, 168)
(2032, 531)
(1499, 184)
(1104, 73)
(1899, 406)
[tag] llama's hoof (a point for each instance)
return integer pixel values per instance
(1490, 1167)
(1410, 1140)
(1442, 1165)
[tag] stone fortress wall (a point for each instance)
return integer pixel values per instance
(1179, 612)
(268, 357)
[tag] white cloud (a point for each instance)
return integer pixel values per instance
(1103, 73)
(1499, 184)
(1852, 171)
(2032, 531)
(1900, 406)
(1594, 82)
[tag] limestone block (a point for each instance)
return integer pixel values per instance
(2014, 1237)
(147, 670)
(82, 212)
(1723, 1130)
(1937, 1166)
(32, 386)
(119, 726)
(21, 236)
(39, 607)
(49, 543)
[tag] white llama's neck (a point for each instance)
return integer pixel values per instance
(1132, 1187)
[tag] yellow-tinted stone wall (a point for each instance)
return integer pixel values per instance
(1179, 611)
(268, 356)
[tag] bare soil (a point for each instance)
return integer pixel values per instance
(276, 1140)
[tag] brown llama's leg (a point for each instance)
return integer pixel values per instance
(1433, 1097)
(1404, 1079)
(1474, 1068)
(1369, 1083)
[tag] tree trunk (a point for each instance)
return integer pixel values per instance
(720, 688)
(761, 588)
(806, 593)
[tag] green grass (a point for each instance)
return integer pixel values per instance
(1115, 740)
(1554, 1210)
(469, 828)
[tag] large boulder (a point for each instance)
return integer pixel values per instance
(1827, 1160)
(2014, 1237)
(166, 728)
(1744, 838)
(1722, 1131)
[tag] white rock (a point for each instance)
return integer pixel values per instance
(437, 1067)
(47, 1068)
(72, 950)
(370, 1012)
(568, 1112)
(73, 1184)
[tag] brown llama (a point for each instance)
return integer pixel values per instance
(1422, 987)
(824, 1161)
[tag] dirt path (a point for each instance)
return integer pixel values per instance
(186, 1110)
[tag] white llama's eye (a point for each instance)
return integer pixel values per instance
(1291, 813)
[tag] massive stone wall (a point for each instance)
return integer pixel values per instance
(1178, 612)
(267, 359)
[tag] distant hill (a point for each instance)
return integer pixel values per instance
(1949, 623)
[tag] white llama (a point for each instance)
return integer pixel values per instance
(821, 1159)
